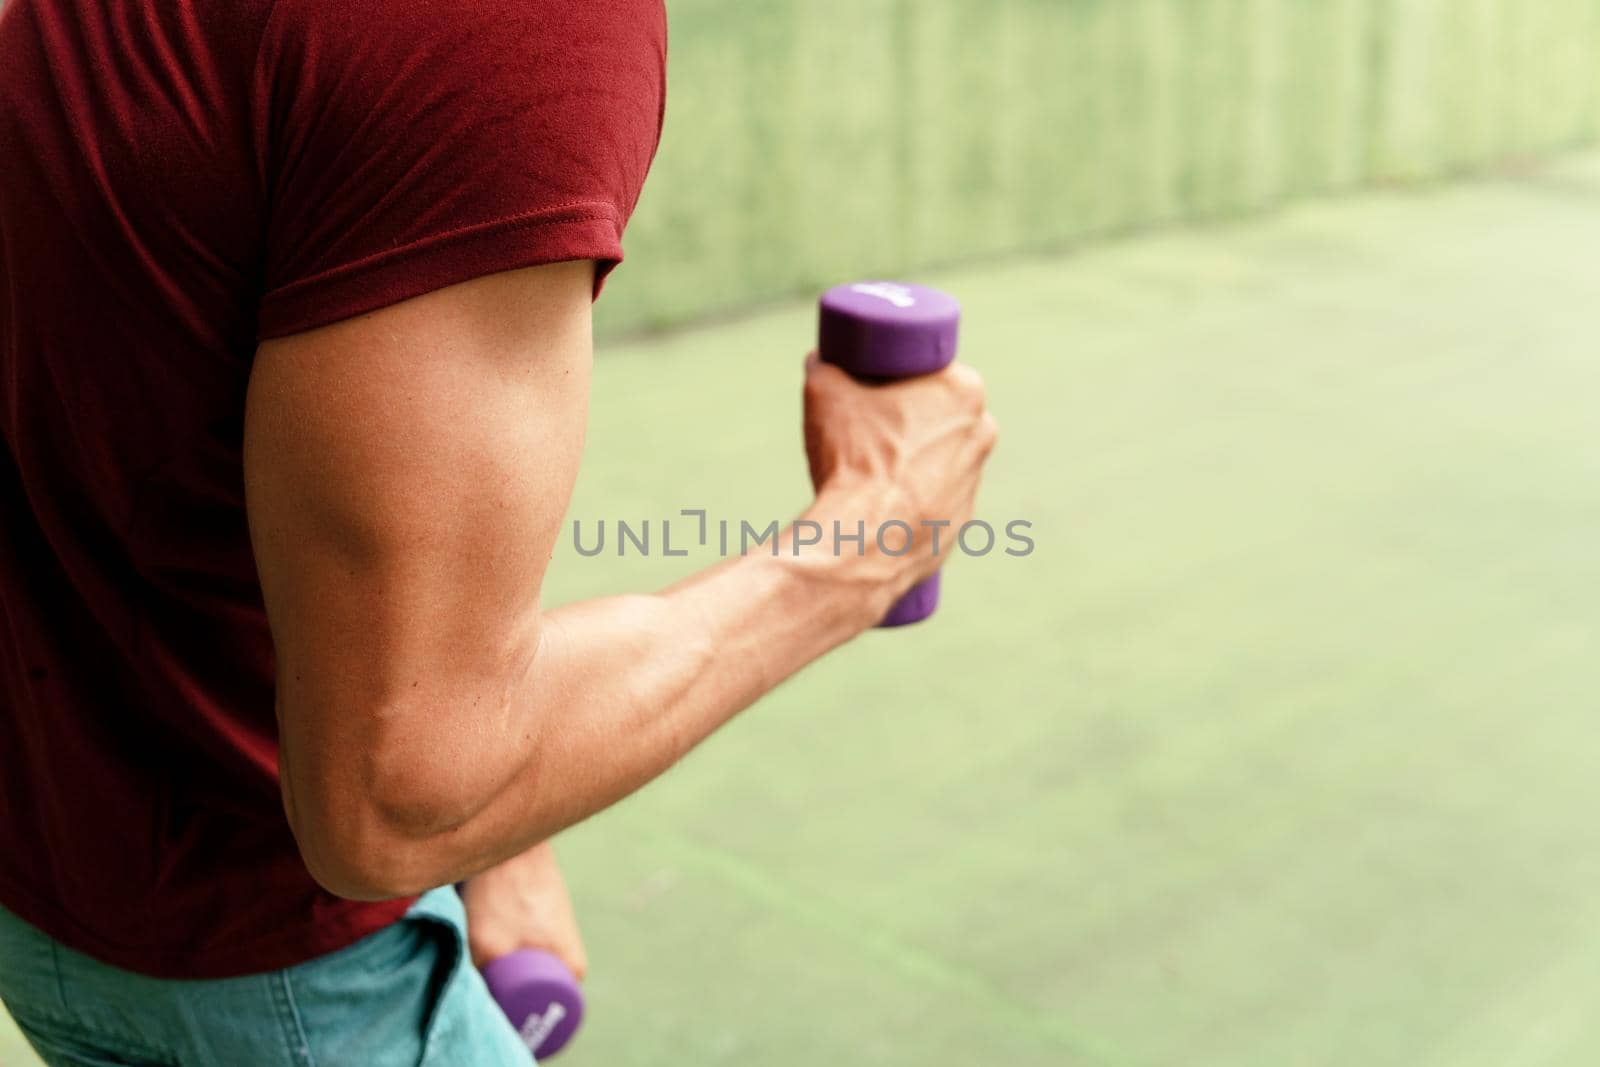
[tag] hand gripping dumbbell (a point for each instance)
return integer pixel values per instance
(880, 331)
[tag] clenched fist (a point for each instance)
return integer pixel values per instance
(523, 903)
(910, 450)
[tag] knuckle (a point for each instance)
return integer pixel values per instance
(823, 378)
(971, 386)
(967, 377)
(988, 431)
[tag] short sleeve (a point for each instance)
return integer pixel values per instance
(407, 145)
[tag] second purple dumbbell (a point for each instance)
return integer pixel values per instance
(539, 995)
(882, 331)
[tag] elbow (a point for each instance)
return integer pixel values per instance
(362, 841)
(358, 858)
(393, 809)
(355, 878)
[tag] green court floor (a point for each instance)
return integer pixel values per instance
(1281, 749)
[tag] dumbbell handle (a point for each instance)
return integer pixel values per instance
(881, 331)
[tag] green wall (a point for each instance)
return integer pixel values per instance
(812, 141)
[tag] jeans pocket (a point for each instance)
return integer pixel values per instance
(32, 987)
(442, 1017)
(466, 1027)
(374, 1003)
(406, 996)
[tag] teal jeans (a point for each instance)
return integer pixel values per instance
(405, 996)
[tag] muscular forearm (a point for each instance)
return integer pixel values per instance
(615, 692)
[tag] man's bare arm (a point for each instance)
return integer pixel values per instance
(407, 473)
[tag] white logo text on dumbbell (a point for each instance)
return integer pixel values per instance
(537, 1027)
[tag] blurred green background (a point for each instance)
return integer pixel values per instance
(1280, 749)
(810, 140)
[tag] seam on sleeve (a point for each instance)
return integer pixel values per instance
(577, 212)
(440, 260)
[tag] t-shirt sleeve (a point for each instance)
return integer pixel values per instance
(406, 145)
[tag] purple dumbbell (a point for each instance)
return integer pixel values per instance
(881, 331)
(539, 995)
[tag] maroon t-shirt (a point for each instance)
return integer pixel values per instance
(177, 181)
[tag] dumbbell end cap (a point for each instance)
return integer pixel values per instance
(887, 330)
(919, 603)
(539, 995)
